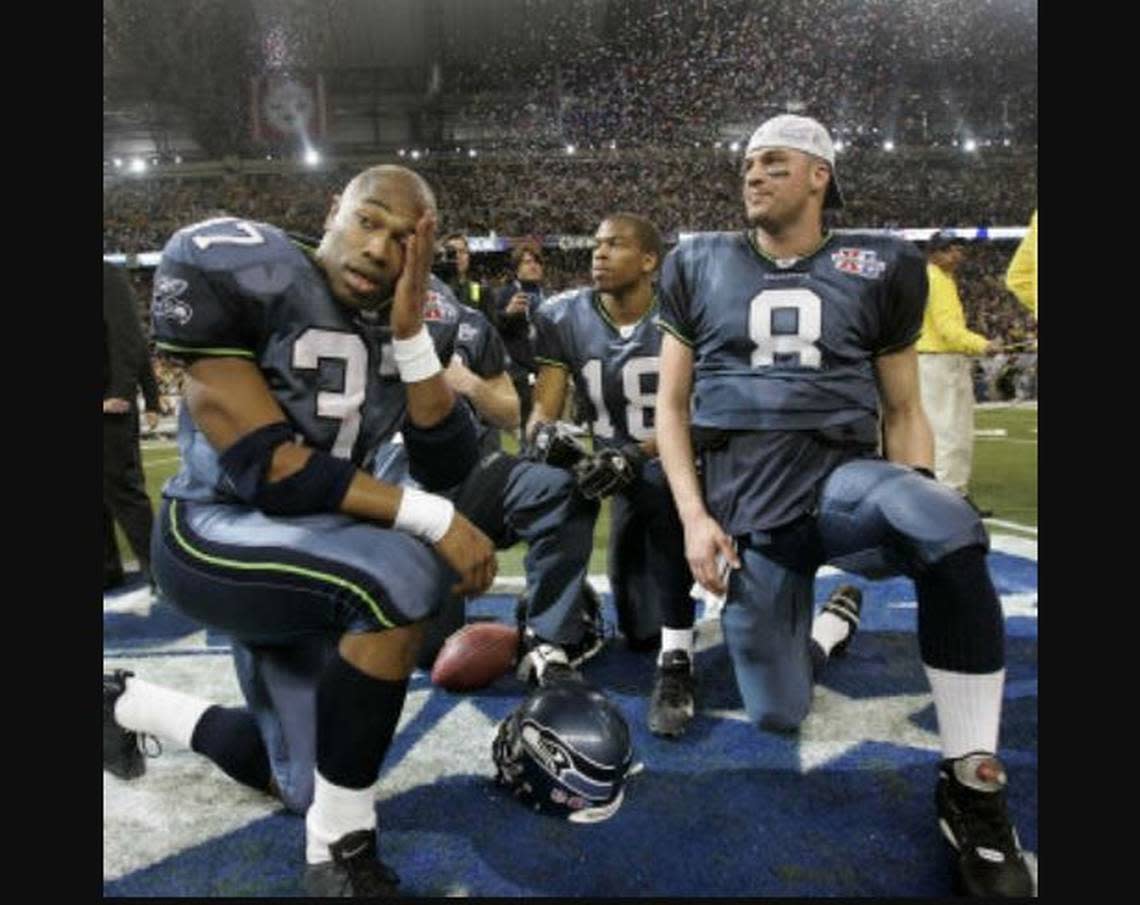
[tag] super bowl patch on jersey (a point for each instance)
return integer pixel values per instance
(863, 262)
(437, 309)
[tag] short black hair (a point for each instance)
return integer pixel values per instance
(648, 236)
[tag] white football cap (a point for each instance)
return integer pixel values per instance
(800, 133)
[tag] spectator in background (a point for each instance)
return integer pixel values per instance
(944, 365)
(124, 489)
(1021, 278)
(515, 305)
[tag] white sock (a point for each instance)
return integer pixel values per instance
(676, 639)
(828, 630)
(169, 714)
(968, 708)
(336, 811)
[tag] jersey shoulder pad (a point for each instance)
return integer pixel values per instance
(229, 243)
(557, 306)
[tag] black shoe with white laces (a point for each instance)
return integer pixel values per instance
(354, 871)
(846, 601)
(544, 663)
(973, 817)
(122, 749)
(673, 702)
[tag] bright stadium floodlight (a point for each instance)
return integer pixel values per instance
(471, 152)
(734, 147)
(178, 158)
(401, 152)
(570, 149)
(1007, 142)
(118, 162)
(970, 145)
(138, 165)
(838, 146)
(312, 158)
(415, 154)
(888, 145)
(613, 145)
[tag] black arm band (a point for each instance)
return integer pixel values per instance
(440, 456)
(318, 486)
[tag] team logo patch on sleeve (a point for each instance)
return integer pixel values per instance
(863, 262)
(169, 300)
(467, 333)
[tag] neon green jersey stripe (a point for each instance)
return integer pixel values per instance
(674, 332)
(276, 567)
(170, 347)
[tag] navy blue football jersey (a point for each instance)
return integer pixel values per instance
(614, 367)
(783, 359)
(230, 287)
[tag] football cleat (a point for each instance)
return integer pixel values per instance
(672, 704)
(543, 663)
(973, 817)
(354, 871)
(845, 602)
(122, 749)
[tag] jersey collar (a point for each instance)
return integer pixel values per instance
(784, 263)
(605, 315)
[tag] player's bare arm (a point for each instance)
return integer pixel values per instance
(704, 538)
(549, 397)
(229, 398)
(495, 398)
(907, 437)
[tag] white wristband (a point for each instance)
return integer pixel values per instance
(424, 515)
(416, 358)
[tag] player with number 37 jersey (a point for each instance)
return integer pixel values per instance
(230, 287)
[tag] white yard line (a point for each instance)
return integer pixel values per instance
(164, 461)
(1013, 526)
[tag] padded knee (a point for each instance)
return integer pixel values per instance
(960, 626)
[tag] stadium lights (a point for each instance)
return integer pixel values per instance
(178, 158)
(471, 152)
(401, 152)
(888, 145)
(312, 158)
(415, 154)
(118, 162)
(570, 149)
(1006, 142)
(838, 146)
(613, 145)
(716, 145)
(970, 145)
(734, 147)
(138, 165)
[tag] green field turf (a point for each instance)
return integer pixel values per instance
(1004, 479)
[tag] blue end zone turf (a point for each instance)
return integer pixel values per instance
(845, 807)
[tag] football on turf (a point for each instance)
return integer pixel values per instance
(475, 656)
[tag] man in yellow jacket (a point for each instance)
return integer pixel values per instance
(944, 351)
(1021, 278)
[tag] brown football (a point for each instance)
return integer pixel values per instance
(475, 655)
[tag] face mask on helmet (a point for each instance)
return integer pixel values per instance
(582, 781)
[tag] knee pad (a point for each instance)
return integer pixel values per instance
(869, 503)
(482, 496)
(960, 624)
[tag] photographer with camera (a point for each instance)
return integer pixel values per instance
(453, 266)
(515, 306)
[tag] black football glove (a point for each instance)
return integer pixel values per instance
(555, 444)
(608, 471)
